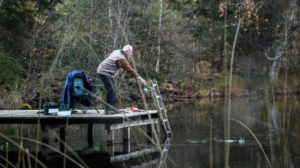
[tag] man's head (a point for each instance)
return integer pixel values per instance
(128, 50)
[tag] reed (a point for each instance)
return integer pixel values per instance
(28, 158)
(53, 149)
(12, 99)
(6, 149)
(38, 133)
(23, 155)
(211, 144)
(7, 162)
(65, 150)
(256, 139)
(227, 128)
(22, 149)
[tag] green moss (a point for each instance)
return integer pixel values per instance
(26, 106)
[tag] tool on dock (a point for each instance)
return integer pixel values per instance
(162, 112)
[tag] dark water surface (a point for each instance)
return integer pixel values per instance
(262, 133)
(198, 139)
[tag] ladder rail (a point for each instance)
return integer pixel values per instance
(160, 98)
(154, 95)
(163, 106)
(155, 91)
(164, 153)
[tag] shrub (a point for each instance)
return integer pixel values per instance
(26, 106)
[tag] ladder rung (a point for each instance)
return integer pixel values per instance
(163, 111)
(160, 105)
(158, 99)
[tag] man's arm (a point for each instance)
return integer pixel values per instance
(123, 63)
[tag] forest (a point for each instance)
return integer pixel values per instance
(194, 48)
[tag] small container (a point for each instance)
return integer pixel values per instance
(134, 109)
(64, 113)
(53, 111)
(146, 90)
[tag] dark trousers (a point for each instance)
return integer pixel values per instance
(111, 96)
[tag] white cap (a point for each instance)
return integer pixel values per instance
(127, 48)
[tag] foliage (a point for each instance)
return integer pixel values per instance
(17, 20)
(175, 40)
(41, 41)
(10, 69)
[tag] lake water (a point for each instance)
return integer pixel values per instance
(199, 131)
(262, 133)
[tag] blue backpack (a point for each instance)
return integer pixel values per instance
(78, 87)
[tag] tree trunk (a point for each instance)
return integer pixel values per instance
(110, 19)
(275, 67)
(159, 38)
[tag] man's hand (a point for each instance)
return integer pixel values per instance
(142, 80)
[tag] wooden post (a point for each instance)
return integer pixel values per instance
(62, 137)
(110, 139)
(126, 140)
(90, 134)
(45, 140)
(158, 130)
(149, 133)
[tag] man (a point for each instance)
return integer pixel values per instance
(109, 69)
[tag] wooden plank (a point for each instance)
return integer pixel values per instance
(135, 154)
(31, 117)
(134, 123)
(89, 113)
(150, 163)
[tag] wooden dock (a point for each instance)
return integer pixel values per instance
(124, 121)
(91, 116)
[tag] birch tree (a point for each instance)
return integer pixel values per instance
(159, 36)
(277, 58)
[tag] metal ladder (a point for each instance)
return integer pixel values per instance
(156, 95)
(164, 153)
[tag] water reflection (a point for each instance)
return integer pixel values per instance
(78, 153)
(199, 134)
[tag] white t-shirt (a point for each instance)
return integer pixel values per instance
(109, 65)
